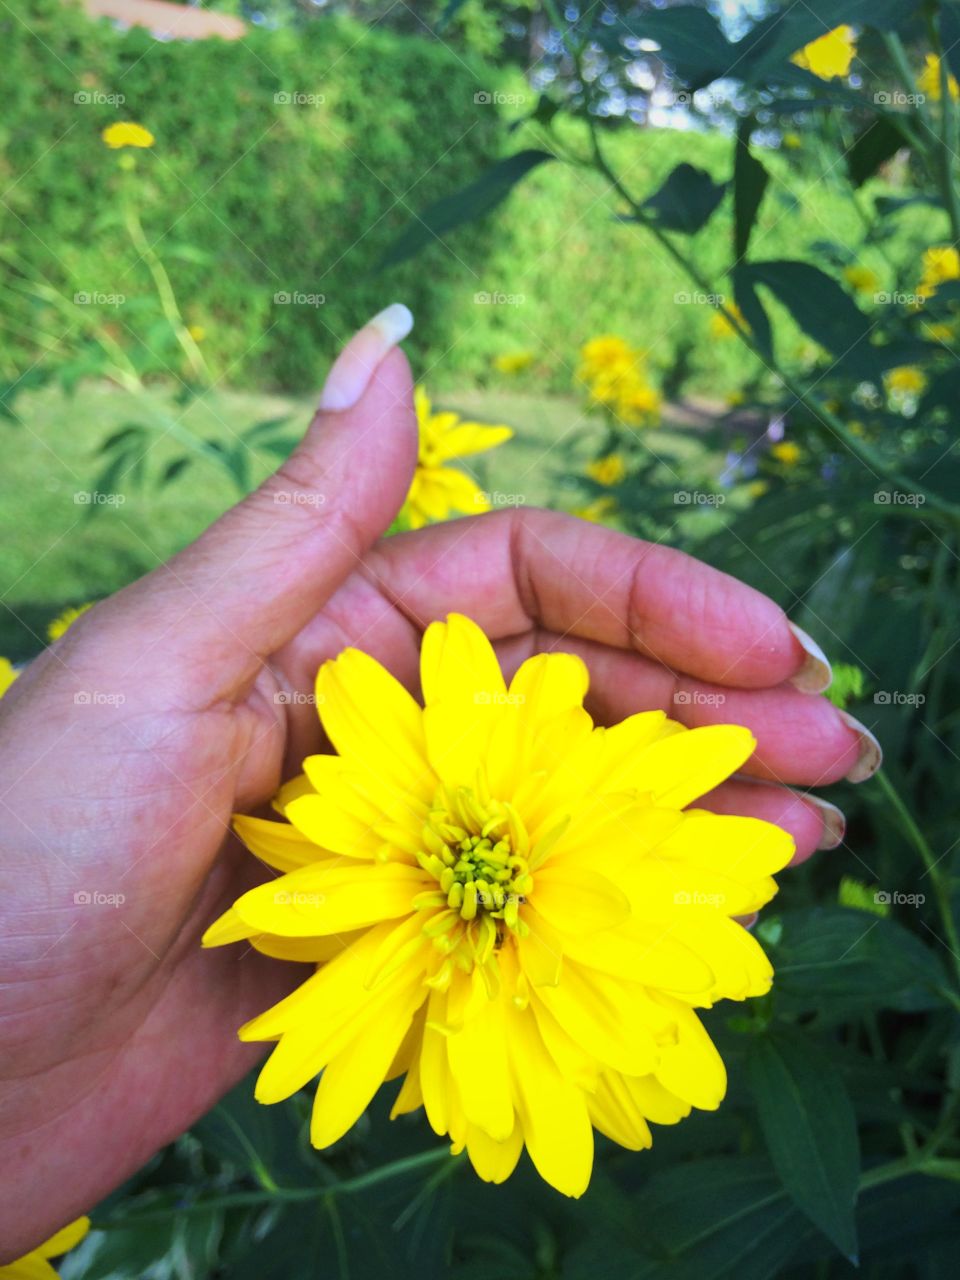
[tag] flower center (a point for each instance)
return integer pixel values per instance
(474, 847)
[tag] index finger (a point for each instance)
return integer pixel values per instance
(522, 568)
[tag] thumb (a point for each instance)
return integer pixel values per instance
(257, 575)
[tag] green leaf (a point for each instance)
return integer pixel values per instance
(810, 1130)
(174, 469)
(690, 40)
(686, 201)
(750, 180)
(822, 309)
(471, 202)
(745, 295)
(880, 140)
(950, 34)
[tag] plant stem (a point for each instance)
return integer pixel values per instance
(941, 887)
(326, 1192)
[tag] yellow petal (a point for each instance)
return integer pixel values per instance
(615, 1113)
(276, 843)
(576, 900)
(691, 1068)
(299, 786)
(456, 661)
(617, 1020)
(64, 1239)
(493, 1161)
(478, 1060)
(315, 901)
(680, 768)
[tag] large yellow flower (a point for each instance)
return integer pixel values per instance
(831, 55)
(35, 1265)
(509, 907)
(437, 490)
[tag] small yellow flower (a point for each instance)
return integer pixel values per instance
(35, 1265)
(907, 380)
(605, 355)
(792, 141)
(940, 264)
(127, 134)
(598, 510)
(609, 470)
(8, 674)
(197, 332)
(757, 488)
(439, 491)
(513, 361)
(720, 326)
(939, 331)
(638, 405)
(786, 452)
(65, 621)
(861, 278)
(516, 911)
(928, 82)
(830, 56)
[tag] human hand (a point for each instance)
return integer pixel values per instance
(187, 696)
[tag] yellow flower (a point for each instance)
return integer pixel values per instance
(939, 331)
(757, 488)
(35, 1265)
(907, 380)
(940, 264)
(928, 82)
(438, 491)
(830, 56)
(720, 326)
(598, 510)
(638, 404)
(792, 141)
(65, 621)
(8, 674)
(509, 907)
(609, 470)
(197, 332)
(786, 452)
(126, 134)
(861, 278)
(606, 355)
(513, 361)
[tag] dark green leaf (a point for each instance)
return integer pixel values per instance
(876, 144)
(810, 1130)
(750, 180)
(686, 200)
(471, 202)
(690, 40)
(745, 294)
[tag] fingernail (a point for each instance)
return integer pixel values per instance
(871, 755)
(354, 366)
(815, 674)
(834, 823)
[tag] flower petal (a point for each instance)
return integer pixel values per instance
(678, 769)
(315, 901)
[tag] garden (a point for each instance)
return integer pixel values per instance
(670, 278)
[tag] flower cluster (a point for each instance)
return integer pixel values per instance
(512, 909)
(615, 375)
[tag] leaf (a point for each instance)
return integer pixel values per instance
(877, 143)
(750, 180)
(174, 469)
(833, 957)
(266, 427)
(810, 1130)
(686, 201)
(690, 41)
(752, 309)
(471, 202)
(822, 309)
(131, 431)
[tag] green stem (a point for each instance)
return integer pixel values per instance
(947, 135)
(240, 1199)
(168, 300)
(941, 887)
(859, 447)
